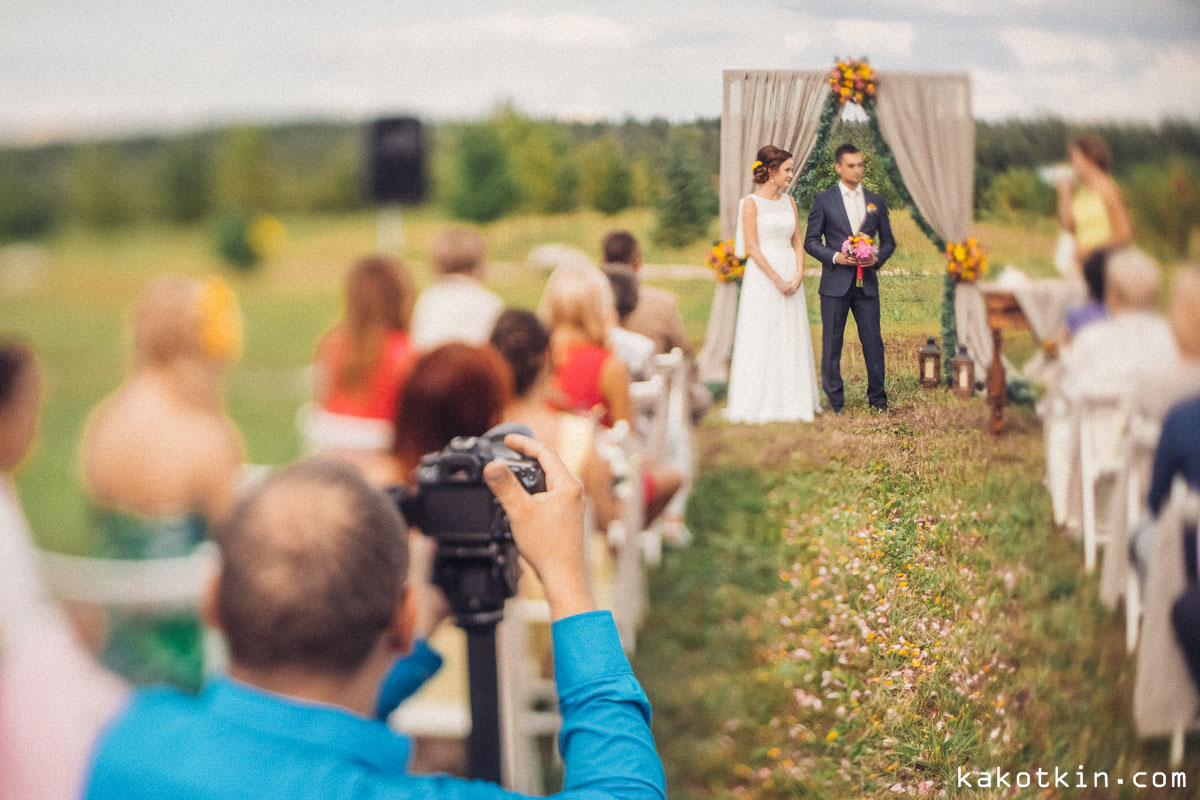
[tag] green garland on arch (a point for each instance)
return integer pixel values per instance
(829, 113)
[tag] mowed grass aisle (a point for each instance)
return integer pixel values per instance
(873, 602)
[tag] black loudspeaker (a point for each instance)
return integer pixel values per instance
(395, 168)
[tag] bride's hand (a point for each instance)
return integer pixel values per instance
(783, 286)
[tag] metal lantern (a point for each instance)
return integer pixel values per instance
(963, 369)
(931, 364)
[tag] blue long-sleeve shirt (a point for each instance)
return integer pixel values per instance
(1178, 452)
(234, 741)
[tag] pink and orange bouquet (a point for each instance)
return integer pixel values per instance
(727, 267)
(852, 81)
(967, 261)
(861, 248)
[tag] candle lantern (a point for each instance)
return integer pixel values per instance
(931, 364)
(963, 369)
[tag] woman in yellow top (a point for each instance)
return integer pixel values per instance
(1093, 212)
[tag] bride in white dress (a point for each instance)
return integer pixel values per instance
(773, 376)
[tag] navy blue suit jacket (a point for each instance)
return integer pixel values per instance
(828, 227)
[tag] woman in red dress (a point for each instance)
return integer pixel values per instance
(362, 361)
(578, 309)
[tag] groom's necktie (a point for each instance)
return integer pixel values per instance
(856, 210)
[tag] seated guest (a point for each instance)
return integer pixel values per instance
(54, 698)
(578, 309)
(1158, 391)
(454, 390)
(524, 343)
(1150, 399)
(657, 313)
(1178, 454)
(633, 348)
(1101, 356)
(160, 461)
(362, 362)
(1093, 310)
(311, 599)
(457, 308)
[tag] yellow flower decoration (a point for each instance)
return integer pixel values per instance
(755, 165)
(221, 323)
(967, 261)
(852, 81)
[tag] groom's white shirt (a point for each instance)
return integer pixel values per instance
(856, 205)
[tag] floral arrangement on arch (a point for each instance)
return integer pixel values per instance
(852, 81)
(966, 262)
(726, 267)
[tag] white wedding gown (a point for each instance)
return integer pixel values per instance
(773, 376)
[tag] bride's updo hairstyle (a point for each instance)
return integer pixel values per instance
(769, 157)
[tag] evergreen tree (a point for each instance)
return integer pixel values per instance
(688, 202)
(484, 188)
(606, 182)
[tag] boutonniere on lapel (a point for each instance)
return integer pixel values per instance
(871, 208)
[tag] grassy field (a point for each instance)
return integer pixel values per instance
(871, 602)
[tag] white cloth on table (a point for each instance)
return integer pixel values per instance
(773, 374)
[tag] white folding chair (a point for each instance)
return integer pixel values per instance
(1102, 421)
(528, 701)
(163, 585)
(1165, 700)
(1141, 439)
(321, 431)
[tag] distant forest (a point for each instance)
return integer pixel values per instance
(511, 163)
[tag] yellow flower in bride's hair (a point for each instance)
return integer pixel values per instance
(221, 324)
(755, 165)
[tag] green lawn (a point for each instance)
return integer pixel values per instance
(871, 602)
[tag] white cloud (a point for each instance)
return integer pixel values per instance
(856, 37)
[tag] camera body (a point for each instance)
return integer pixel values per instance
(476, 562)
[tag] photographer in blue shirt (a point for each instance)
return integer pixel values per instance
(312, 601)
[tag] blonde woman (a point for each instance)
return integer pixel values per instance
(578, 309)
(160, 461)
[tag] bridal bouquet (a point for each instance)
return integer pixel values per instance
(727, 267)
(966, 262)
(861, 248)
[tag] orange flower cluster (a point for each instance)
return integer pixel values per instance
(852, 81)
(727, 267)
(967, 261)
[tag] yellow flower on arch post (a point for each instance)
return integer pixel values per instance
(966, 262)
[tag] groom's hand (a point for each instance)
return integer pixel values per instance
(870, 262)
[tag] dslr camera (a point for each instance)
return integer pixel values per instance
(476, 559)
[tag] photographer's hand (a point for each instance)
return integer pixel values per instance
(547, 527)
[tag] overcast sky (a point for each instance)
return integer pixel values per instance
(72, 68)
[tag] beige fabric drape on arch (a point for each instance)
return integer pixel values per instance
(779, 107)
(926, 121)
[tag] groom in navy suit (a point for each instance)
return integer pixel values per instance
(836, 214)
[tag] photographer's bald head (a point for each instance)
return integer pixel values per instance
(311, 593)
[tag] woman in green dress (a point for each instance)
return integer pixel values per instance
(160, 463)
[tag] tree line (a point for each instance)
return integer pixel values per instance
(512, 163)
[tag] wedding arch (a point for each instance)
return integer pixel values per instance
(924, 134)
